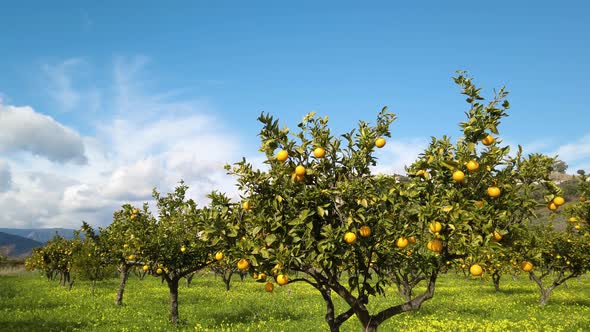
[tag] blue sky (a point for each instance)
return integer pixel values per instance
(142, 94)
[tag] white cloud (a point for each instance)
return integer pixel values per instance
(398, 153)
(5, 177)
(145, 140)
(576, 151)
(23, 129)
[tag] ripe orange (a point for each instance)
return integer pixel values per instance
(365, 231)
(350, 237)
(261, 276)
(300, 170)
(380, 142)
(219, 256)
(435, 227)
(159, 271)
(494, 191)
(282, 155)
(472, 165)
(135, 211)
(558, 200)
(497, 236)
(133, 216)
(319, 152)
(573, 219)
(282, 279)
(458, 176)
(182, 249)
(131, 257)
(247, 205)
(488, 140)
(434, 245)
(402, 242)
(552, 206)
(269, 286)
(243, 264)
(412, 239)
(526, 266)
(578, 227)
(476, 270)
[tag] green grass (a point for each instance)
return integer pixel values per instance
(28, 302)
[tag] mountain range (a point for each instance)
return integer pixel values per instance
(18, 243)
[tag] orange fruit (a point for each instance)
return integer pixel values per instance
(412, 239)
(182, 249)
(135, 211)
(497, 236)
(261, 276)
(572, 219)
(578, 227)
(558, 200)
(159, 271)
(269, 287)
(435, 227)
(458, 176)
(243, 264)
(282, 279)
(494, 191)
(526, 266)
(476, 270)
(488, 140)
(145, 268)
(131, 257)
(282, 155)
(365, 231)
(434, 245)
(247, 205)
(402, 242)
(350, 237)
(219, 255)
(319, 152)
(552, 206)
(300, 170)
(380, 142)
(472, 165)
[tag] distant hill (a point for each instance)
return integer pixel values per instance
(39, 234)
(15, 246)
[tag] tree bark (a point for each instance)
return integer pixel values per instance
(189, 279)
(123, 275)
(226, 279)
(173, 286)
(496, 280)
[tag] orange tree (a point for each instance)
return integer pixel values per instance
(552, 257)
(90, 261)
(318, 209)
(223, 230)
(123, 239)
(525, 177)
(56, 257)
(178, 242)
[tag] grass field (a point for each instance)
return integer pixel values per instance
(30, 303)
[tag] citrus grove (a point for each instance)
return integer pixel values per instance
(317, 214)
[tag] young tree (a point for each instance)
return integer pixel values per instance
(123, 238)
(318, 209)
(90, 261)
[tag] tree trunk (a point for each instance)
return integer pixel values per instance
(173, 286)
(496, 279)
(93, 287)
(123, 274)
(189, 279)
(545, 294)
(226, 279)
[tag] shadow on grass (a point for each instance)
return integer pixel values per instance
(218, 318)
(40, 325)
